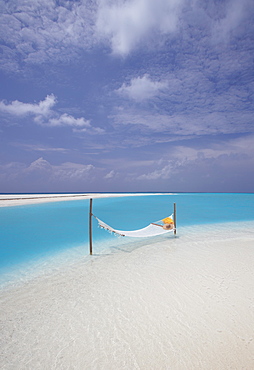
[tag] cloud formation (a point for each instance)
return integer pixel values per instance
(36, 32)
(217, 165)
(67, 120)
(230, 20)
(142, 88)
(39, 148)
(162, 80)
(41, 169)
(184, 124)
(43, 114)
(17, 108)
(129, 23)
(67, 170)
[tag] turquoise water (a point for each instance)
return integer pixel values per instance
(39, 230)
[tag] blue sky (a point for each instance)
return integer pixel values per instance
(134, 95)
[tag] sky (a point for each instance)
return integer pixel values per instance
(126, 96)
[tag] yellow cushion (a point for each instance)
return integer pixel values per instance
(168, 220)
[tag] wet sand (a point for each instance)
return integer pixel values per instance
(168, 303)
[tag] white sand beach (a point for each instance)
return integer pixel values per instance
(7, 200)
(171, 303)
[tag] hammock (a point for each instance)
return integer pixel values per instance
(152, 229)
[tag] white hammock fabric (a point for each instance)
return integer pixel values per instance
(152, 229)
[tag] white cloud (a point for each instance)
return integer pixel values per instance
(40, 165)
(110, 175)
(236, 152)
(34, 32)
(234, 14)
(42, 174)
(43, 114)
(239, 147)
(45, 30)
(17, 108)
(39, 148)
(67, 120)
(142, 88)
(187, 123)
(10, 171)
(65, 171)
(128, 23)
(162, 173)
(74, 171)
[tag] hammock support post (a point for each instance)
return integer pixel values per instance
(90, 227)
(175, 218)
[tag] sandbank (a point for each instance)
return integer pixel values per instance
(7, 200)
(184, 302)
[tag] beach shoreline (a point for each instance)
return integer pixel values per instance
(171, 302)
(7, 200)
(179, 302)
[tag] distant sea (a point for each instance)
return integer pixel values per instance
(36, 232)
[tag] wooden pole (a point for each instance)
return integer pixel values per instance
(175, 218)
(90, 226)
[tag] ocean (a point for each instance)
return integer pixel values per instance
(33, 237)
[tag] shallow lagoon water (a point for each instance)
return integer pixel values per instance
(170, 303)
(38, 234)
(183, 302)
